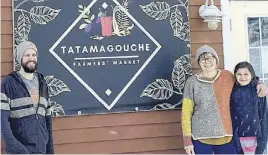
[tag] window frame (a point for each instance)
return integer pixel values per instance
(257, 47)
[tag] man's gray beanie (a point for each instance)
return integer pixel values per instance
(206, 49)
(21, 48)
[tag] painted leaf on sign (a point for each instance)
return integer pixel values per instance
(43, 14)
(160, 89)
(157, 10)
(23, 27)
(178, 78)
(55, 86)
(176, 21)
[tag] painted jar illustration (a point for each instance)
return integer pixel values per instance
(106, 25)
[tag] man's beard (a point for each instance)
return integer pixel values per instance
(29, 69)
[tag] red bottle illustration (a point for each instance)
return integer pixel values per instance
(106, 25)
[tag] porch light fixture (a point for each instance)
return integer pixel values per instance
(211, 14)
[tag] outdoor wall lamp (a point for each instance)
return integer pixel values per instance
(211, 14)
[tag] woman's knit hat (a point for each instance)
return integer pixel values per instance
(206, 49)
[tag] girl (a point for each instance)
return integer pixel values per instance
(249, 112)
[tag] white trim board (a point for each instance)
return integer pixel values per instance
(226, 35)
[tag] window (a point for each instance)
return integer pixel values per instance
(258, 45)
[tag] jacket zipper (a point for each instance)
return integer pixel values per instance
(38, 126)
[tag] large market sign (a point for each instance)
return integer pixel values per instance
(102, 56)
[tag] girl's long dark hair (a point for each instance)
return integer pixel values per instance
(247, 65)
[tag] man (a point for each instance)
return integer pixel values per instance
(26, 122)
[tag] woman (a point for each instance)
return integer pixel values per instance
(206, 120)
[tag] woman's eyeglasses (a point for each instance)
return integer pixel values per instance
(209, 59)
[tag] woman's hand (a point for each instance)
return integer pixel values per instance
(262, 90)
(190, 150)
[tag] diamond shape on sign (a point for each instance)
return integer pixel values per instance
(104, 5)
(133, 77)
(108, 92)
